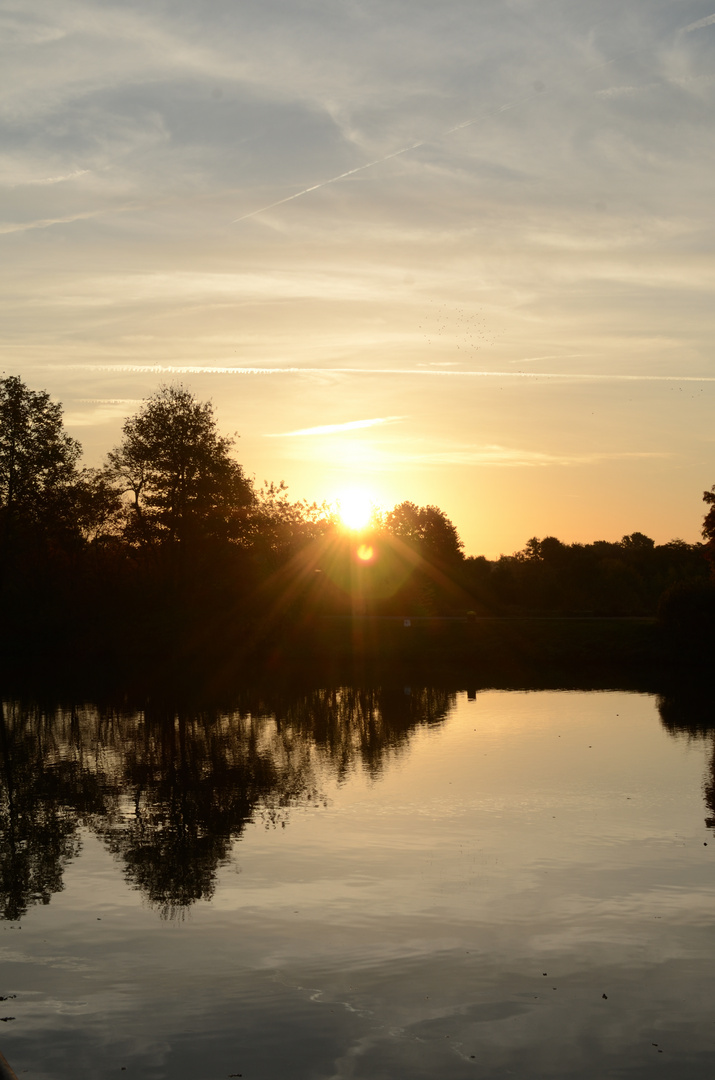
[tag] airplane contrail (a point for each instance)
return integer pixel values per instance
(332, 180)
(388, 157)
(196, 369)
(415, 146)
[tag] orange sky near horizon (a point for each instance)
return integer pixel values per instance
(458, 254)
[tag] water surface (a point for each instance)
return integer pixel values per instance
(353, 884)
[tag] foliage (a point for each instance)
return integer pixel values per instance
(709, 527)
(38, 465)
(427, 530)
(179, 471)
(625, 577)
(686, 613)
(281, 527)
(98, 508)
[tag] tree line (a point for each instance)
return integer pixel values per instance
(170, 545)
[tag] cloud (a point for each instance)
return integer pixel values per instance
(331, 429)
(45, 223)
(19, 31)
(58, 179)
(505, 456)
(620, 91)
(439, 455)
(103, 411)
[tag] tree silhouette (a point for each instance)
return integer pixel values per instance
(427, 530)
(709, 527)
(38, 471)
(179, 471)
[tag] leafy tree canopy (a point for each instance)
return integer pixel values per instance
(427, 529)
(179, 471)
(709, 526)
(38, 459)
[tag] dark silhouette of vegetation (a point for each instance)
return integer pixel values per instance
(622, 578)
(709, 527)
(687, 608)
(170, 555)
(39, 479)
(687, 614)
(38, 463)
(184, 485)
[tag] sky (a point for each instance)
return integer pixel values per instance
(454, 252)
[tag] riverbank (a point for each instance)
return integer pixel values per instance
(480, 652)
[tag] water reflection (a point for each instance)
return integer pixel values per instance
(169, 790)
(690, 710)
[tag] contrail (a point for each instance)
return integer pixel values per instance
(195, 369)
(699, 25)
(332, 180)
(387, 157)
(417, 145)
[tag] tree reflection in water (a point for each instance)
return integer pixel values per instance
(690, 710)
(168, 790)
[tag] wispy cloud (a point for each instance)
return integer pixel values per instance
(101, 411)
(45, 223)
(505, 456)
(440, 455)
(54, 179)
(621, 91)
(331, 429)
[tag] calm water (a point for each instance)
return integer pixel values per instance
(359, 885)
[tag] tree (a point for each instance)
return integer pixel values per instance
(709, 527)
(637, 542)
(38, 467)
(282, 528)
(427, 530)
(179, 471)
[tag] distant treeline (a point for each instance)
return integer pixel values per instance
(627, 577)
(170, 549)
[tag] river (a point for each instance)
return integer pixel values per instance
(400, 882)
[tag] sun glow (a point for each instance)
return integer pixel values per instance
(355, 509)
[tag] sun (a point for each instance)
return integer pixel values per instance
(355, 509)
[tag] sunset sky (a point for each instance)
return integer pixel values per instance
(454, 252)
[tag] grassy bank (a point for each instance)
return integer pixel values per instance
(560, 650)
(546, 652)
